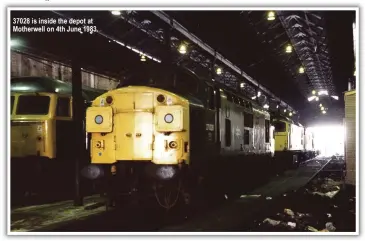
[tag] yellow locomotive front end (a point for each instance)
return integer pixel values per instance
(31, 126)
(139, 129)
(32, 134)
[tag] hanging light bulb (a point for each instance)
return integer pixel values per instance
(289, 49)
(242, 85)
(301, 70)
(258, 93)
(317, 98)
(277, 106)
(320, 104)
(182, 49)
(324, 112)
(219, 71)
(284, 110)
(271, 16)
(290, 114)
(322, 108)
(143, 58)
(313, 92)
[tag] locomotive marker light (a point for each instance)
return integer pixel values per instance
(169, 118)
(271, 16)
(98, 119)
(109, 100)
(160, 98)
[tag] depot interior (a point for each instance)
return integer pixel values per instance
(311, 89)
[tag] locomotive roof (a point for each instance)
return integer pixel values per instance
(50, 85)
(288, 120)
(152, 78)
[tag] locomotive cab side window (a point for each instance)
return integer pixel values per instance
(63, 107)
(248, 120)
(228, 132)
(267, 131)
(280, 126)
(33, 105)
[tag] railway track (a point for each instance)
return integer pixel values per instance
(150, 217)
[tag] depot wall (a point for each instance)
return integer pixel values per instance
(23, 64)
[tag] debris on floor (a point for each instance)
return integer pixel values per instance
(325, 204)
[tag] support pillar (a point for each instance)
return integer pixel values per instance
(78, 134)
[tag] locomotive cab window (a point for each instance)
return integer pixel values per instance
(63, 107)
(248, 120)
(33, 105)
(228, 132)
(280, 126)
(267, 131)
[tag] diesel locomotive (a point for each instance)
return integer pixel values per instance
(293, 142)
(167, 138)
(41, 130)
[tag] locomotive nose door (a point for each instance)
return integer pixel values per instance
(134, 137)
